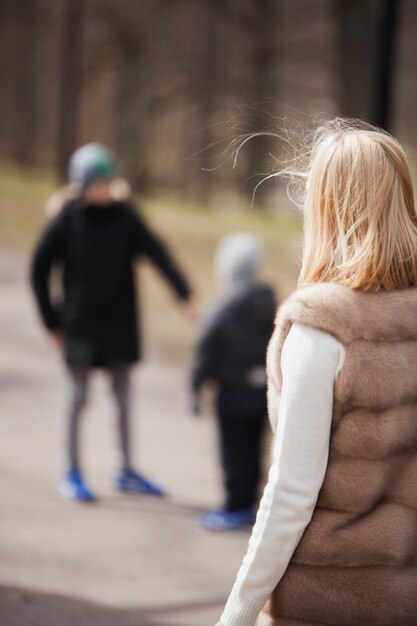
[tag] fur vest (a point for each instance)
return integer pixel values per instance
(356, 563)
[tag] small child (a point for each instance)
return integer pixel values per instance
(231, 352)
(96, 237)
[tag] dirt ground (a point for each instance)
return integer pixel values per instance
(125, 561)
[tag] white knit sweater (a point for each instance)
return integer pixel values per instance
(311, 361)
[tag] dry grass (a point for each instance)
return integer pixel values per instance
(192, 233)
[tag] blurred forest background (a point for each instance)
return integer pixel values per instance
(161, 81)
(168, 84)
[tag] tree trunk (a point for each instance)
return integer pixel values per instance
(366, 42)
(131, 118)
(263, 91)
(207, 86)
(24, 69)
(385, 64)
(69, 85)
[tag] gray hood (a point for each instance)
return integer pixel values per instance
(238, 260)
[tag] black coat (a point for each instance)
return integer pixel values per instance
(96, 247)
(232, 348)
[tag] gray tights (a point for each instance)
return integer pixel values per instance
(78, 387)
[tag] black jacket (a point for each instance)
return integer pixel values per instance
(96, 246)
(233, 343)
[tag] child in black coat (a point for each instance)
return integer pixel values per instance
(96, 237)
(231, 352)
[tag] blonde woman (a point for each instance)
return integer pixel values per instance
(335, 540)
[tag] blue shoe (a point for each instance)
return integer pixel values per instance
(72, 487)
(228, 520)
(131, 482)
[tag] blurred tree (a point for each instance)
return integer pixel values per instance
(207, 89)
(263, 88)
(69, 83)
(386, 64)
(132, 29)
(131, 87)
(366, 42)
(24, 65)
(244, 33)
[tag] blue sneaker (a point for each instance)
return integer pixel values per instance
(228, 520)
(72, 487)
(131, 482)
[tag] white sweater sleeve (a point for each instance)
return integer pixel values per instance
(311, 360)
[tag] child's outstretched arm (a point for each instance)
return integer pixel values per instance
(145, 241)
(47, 250)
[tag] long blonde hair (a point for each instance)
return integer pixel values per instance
(360, 221)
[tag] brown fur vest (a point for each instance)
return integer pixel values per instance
(356, 564)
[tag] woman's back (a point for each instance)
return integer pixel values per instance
(346, 537)
(361, 542)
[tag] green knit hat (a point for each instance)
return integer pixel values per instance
(91, 163)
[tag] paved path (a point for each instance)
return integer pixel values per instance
(125, 561)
